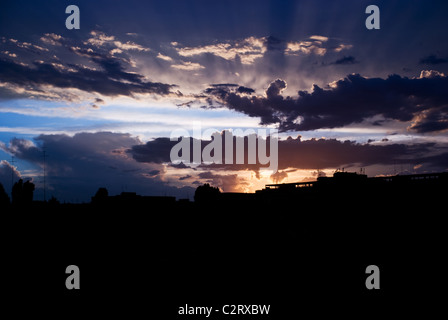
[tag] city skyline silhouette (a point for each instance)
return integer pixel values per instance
(224, 153)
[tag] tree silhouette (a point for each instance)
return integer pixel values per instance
(206, 193)
(28, 191)
(17, 192)
(4, 199)
(22, 193)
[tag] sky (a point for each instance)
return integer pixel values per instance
(104, 99)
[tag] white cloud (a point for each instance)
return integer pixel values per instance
(188, 65)
(163, 57)
(431, 74)
(342, 46)
(10, 54)
(247, 49)
(314, 45)
(320, 38)
(305, 47)
(24, 45)
(100, 39)
(52, 39)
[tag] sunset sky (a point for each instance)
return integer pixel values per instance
(104, 99)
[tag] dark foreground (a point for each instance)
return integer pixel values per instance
(300, 257)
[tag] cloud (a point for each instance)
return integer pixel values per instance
(432, 120)
(154, 173)
(89, 66)
(306, 47)
(431, 74)
(77, 166)
(279, 176)
(27, 46)
(163, 57)
(345, 60)
(155, 151)
(332, 153)
(341, 47)
(52, 39)
(110, 79)
(433, 60)
(350, 100)
(227, 182)
(7, 171)
(306, 154)
(158, 151)
(242, 89)
(247, 49)
(254, 106)
(101, 40)
(317, 45)
(10, 54)
(187, 65)
(319, 38)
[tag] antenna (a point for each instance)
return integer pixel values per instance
(45, 173)
(12, 172)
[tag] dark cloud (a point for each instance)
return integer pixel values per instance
(219, 85)
(432, 120)
(349, 100)
(154, 173)
(100, 71)
(112, 80)
(345, 60)
(155, 151)
(177, 166)
(253, 106)
(274, 44)
(158, 151)
(275, 88)
(222, 88)
(308, 154)
(314, 175)
(332, 153)
(242, 89)
(433, 60)
(25, 46)
(438, 162)
(77, 166)
(279, 176)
